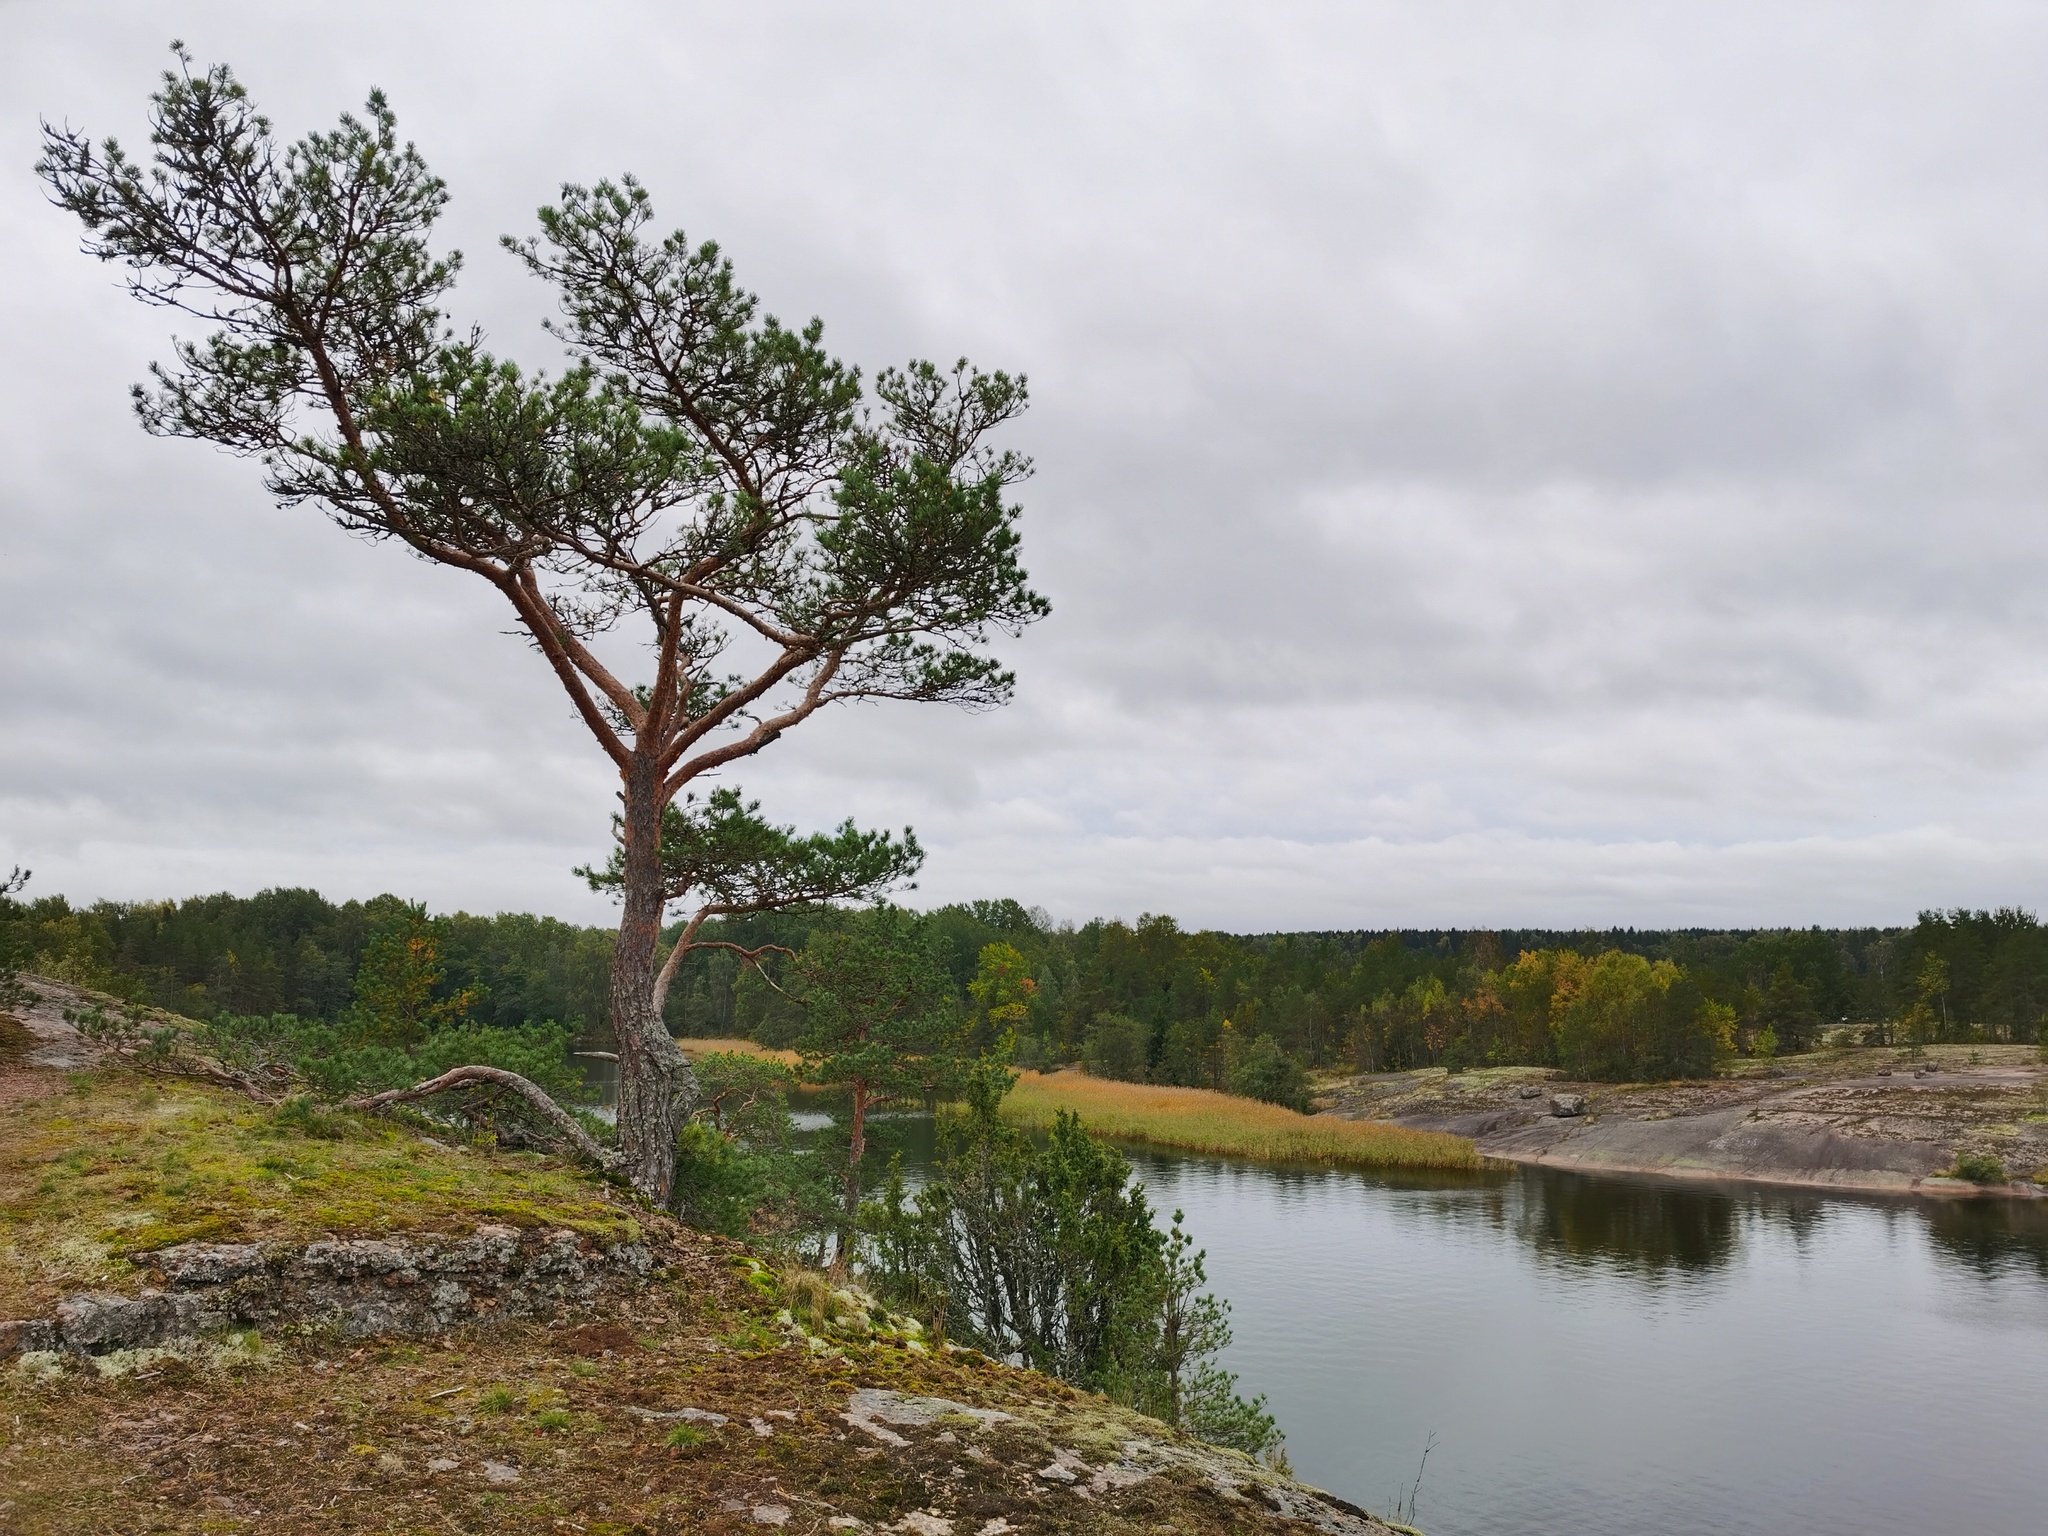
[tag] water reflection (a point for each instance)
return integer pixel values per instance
(1637, 1228)
(1991, 1238)
(1652, 1229)
(1624, 1355)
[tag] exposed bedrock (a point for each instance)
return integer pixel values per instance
(403, 1285)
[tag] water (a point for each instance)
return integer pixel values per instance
(1611, 1357)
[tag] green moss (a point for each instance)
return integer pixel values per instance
(145, 1165)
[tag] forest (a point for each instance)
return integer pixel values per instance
(1143, 1001)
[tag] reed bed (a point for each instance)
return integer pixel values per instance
(694, 1046)
(1222, 1125)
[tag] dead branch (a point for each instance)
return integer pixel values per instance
(464, 1077)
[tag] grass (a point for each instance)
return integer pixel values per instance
(694, 1046)
(1222, 1125)
(119, 1166)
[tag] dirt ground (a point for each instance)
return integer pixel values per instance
(1868, 1119)
(722, 1396)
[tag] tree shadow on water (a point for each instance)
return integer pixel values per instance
(1991, 1237)
(1638, 1228)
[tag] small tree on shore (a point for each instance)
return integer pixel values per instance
(878, 1023)
(1047, 1252)
(701, 472)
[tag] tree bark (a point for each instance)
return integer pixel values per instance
(857, 1145)
(657, 1089)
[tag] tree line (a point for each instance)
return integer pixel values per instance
(1146, 1000)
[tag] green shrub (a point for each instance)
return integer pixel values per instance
(1047, 1250)
(685, 1437)
(1269, 1073)
(737, 1170)
(496, 1400)
(1030, 1053)
(715, 1182)
(1978, 1168)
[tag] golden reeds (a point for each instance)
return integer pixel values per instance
(1223, 1125)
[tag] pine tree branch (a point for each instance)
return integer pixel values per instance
(464, 1077)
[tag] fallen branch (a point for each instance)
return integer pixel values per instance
(537, 1096)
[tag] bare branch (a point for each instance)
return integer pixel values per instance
(547, 634)
(574, 650)
(464, 1077)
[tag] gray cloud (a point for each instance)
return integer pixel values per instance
(1499, 464)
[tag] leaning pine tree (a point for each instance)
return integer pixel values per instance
(700, 474)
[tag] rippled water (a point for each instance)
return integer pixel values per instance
(1612, 1357)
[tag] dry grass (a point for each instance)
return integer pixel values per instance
(1219, 1124)
(694, 1046)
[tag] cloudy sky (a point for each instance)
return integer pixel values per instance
(1499, 464)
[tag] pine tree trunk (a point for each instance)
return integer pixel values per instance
(657, 1089)
(857, 1146)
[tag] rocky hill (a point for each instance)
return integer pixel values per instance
(226, 1318)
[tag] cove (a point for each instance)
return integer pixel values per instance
(1612, 1356)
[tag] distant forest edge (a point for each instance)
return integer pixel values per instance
(1143, 1002)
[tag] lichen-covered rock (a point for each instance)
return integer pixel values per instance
(1077, 1456)
(191, 1264)
(27, 1336)
(414, 1285)
(98, 1321)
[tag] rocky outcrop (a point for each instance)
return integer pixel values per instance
(1019, 1461)
(1860, 1119)
(357, 1287)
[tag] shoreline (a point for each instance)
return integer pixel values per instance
(1932, 1188)
(1864, 1121)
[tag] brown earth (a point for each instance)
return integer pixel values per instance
(1859, 1119)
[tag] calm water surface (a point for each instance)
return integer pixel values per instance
(1608, 1357)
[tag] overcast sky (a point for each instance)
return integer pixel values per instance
(1499, 464)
